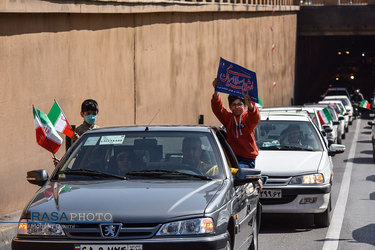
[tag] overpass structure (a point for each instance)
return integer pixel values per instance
(138, 59)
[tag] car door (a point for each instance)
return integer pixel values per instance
(244, 203)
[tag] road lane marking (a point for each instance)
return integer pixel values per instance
(332, 239)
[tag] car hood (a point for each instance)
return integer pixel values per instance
(288, 163)
(130, 200)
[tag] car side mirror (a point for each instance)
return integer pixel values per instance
(328, 129)
(37, 177)
(341, 118)
(246, 175)
(336, 123)
(372, 123)
(336, 149)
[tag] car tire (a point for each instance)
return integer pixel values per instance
(373, 154)
(254, 242)
(343, 136)
(228, 245)
(323, 219)
(347, 129)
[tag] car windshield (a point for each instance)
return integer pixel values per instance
(134, 155)
(287, 135)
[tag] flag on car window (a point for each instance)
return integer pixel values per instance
(46, 135)
(324, 116)
(59, 120)
(365, 104)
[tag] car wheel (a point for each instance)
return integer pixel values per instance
(373, 154)
(254, 242)
(347, 129)
(343, 136)
(323, 219)
(228, 245)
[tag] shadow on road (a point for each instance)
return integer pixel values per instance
(365, 234)
(365, 141)
(368, 152)
(286, 223)
(370, 178)
(361, 160)
(366, 132)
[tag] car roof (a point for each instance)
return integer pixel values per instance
(336, 96)
(181, 128)
(337, 88)
(284, 116)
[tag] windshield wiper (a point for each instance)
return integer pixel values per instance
(90, 172)
(160, 172)
(294, 148)
(285, 147)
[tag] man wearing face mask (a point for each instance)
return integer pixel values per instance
(89, 113)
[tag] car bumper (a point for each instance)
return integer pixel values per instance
(298, 200)
(208, 242)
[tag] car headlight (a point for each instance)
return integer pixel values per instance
(308, 179)
(187, 227)
(39, 228)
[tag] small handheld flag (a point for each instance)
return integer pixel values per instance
(46, 135)
(365, 104)
(59, 120)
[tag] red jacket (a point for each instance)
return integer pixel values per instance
(240, 137)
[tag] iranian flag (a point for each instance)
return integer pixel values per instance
(46, 135)
(365, 104)
(324, 116)
(59, 121)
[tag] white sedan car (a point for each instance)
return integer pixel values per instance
(296, 166)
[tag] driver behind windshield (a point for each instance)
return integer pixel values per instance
(291, 136)
(192, 156)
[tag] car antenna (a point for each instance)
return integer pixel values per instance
(152, 120)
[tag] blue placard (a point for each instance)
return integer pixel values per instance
(233, 79)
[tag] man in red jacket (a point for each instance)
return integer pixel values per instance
(240, 125)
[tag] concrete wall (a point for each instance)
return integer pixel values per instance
(134, 65)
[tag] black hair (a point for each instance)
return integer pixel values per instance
(232, 98)
(89, 105)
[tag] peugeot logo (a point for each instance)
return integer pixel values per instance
(110, 230)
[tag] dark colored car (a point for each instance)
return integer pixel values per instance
(159, 187)
(372, 123)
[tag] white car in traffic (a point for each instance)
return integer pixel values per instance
(296, 165)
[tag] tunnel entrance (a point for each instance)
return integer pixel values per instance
(334, 61)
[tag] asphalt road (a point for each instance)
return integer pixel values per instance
(353, 200)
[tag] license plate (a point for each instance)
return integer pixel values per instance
(270, 194)
(108, 247)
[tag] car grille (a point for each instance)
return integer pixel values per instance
(276, 180)
(128, 231)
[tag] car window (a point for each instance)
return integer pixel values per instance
(287, 135)
(122, 153)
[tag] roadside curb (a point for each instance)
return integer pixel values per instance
(8, 230)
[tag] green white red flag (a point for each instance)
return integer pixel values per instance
(46, 135)
(324, 116)
(59, 120)
(365, 104)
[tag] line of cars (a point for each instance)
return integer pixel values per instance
(166, 203)
(298, 172)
